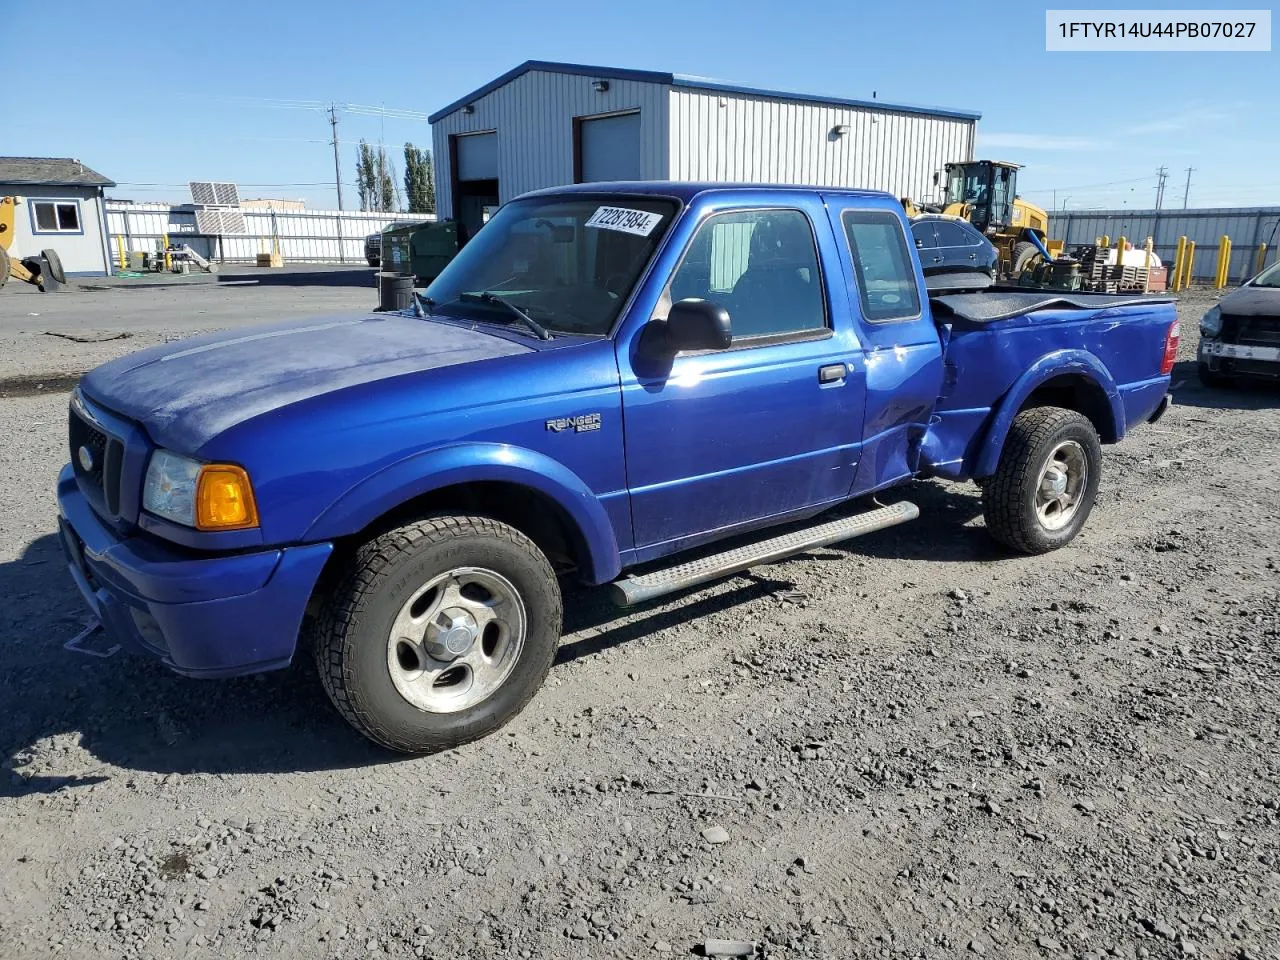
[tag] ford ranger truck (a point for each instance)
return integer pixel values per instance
(607, 377)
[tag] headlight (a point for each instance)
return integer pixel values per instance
(207, 496)
(1211, 323)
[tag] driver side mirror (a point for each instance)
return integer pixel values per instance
(694, 324)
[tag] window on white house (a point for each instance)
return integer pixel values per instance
(57, 216)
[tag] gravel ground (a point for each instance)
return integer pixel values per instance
(917, 746)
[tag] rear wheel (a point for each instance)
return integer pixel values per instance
(439, 632)
(1046, 481)
(1025, 255)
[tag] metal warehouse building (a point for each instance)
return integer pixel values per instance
(546, 124)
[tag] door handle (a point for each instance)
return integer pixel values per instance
(973, 256)
(832, 373)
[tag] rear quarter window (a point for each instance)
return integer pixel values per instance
(886, 278)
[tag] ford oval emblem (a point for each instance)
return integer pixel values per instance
(85, 456)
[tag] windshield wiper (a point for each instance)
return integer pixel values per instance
(487, 297)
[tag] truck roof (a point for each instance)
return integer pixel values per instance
(685, 191)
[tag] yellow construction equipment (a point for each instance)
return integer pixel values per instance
(45, 271)
(985, 193)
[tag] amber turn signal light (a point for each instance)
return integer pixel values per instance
(224, 498)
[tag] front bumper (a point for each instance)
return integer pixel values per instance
(217, 616)
(1239, 357)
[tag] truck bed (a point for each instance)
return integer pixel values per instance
(990, 306)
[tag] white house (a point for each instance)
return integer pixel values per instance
(59, 206)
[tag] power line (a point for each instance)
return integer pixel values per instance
(1091, 186)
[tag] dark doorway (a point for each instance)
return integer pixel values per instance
(474, 161)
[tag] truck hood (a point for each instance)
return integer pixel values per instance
(188, 392)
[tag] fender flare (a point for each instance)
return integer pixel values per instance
(1069, 362)
(435, 469)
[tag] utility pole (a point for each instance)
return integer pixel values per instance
(337, 165)
(1186, 191)
(1163, 174)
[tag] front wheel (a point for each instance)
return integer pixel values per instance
(439, 632)
(1046, 481)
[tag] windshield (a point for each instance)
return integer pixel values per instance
(967, 184)
(569, 263)
(1269, 277)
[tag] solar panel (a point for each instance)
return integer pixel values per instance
(214, 194)
(202, 192)
(233, 222)
(208, 222)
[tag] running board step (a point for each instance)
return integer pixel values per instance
(636, 589)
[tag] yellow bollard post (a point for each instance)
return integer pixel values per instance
(1146, 265)
(1222, 263)
(1191, 264)
(168, 257)
(120, 253)
(1175, 279)
(1105, 241)
(1120, 245)
(1262, 258)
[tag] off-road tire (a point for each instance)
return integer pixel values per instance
(1009, 495)
(1213, 378)
(1024, 254)
(55, 264)
(355, 619)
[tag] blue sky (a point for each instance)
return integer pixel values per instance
(227, 93)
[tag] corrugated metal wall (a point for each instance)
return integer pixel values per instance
(533, 116)
(725, 136)
(1246, 226)
(305, 236)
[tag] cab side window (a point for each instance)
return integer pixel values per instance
(760, 265)
(886, 278)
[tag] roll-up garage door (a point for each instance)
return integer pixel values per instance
(610, 148)
(478, 157)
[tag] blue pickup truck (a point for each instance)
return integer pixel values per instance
(607, 378)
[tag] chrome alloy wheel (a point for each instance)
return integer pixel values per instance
(456, 640)
(1063, 480)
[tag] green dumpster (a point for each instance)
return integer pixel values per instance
(420, 249)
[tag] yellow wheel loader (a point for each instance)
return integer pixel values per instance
(984, 192)
(44, 271)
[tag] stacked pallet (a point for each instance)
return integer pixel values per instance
(1093, 263)
(1127, 279)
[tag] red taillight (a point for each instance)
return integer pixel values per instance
(1170, 348)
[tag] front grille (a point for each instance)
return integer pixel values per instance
(101, 480)
(1254, 331)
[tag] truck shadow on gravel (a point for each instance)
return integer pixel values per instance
(129, 712)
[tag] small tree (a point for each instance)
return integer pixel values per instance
(375, 179)
(419, 185)
(366, 177)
